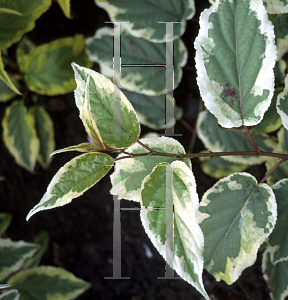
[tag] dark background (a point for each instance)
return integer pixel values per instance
(81, 233)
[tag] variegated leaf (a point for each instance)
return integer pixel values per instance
(186, 240)
(108, 125)
(48, 283)
(235, 56)
(234, 208)
(143, 18)
(13, 255)
(45, 133)
(60, 53)
(29, 11)
(276, 276)
(143, 62)
(73, 179)
(20, 136)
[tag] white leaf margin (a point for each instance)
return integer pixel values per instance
(144, 33)
(186, 217)
(283, 97)
(17, 264)
(272, 6)
(206, 87)
(11, 293)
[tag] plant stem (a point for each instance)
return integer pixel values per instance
(272, 170)
(251, 139)
(146, 147)
(283, 157)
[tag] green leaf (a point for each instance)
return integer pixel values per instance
(48, 283)
(10, 295)
(149, 80)
(188, 239)
(24, 47)
(218, 167)
(282, 104)
(95, 100)
(235, 56)
(276, 276)
(5, 220)
(281, 33)
(65, 6)
(151, 110)
(278, 240)
(20, 136)
(84, 147)
(142, 17)
(30, 11)
(276, 6)
(218, 139)
(73, 179)
(47, 68)
(6, 78)
(234, 208)
(45, 133)
(13, 255)
(130, 172)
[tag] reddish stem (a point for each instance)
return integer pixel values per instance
(251, 139)
(272, 170)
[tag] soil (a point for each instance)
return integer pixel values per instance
(81, 233)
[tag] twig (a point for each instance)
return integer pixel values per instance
(272, 170)
(251, 139)
(146, 147)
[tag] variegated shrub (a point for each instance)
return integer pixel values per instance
(236, 58)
